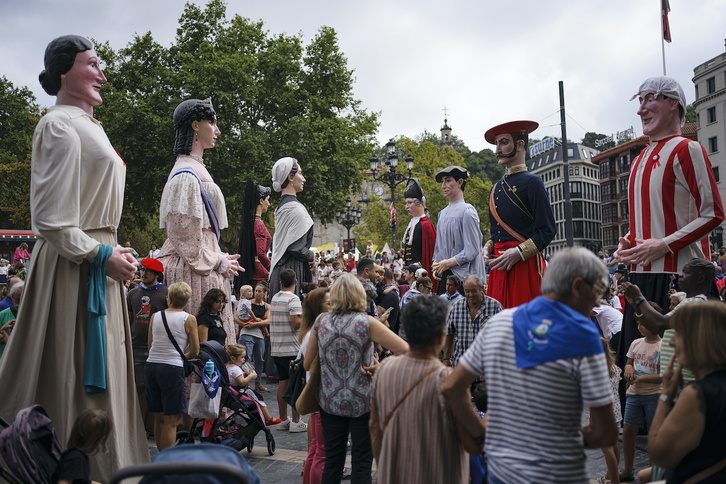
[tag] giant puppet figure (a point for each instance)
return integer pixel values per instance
(193, 211)
(521, 219)
(420, 236)
(256, 240)
(673, 200)
(293, 227)
(71, 346)
(458, 248)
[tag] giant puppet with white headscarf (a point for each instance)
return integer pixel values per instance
(293, 226)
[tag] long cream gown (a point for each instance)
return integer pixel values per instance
(77, 188)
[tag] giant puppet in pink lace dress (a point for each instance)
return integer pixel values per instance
(193, 211)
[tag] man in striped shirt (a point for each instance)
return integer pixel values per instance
(285, 320)
(673, 199)
(542, 362)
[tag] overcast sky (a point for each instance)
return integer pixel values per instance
(487, 61)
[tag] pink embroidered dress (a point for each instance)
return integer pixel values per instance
(191, 251)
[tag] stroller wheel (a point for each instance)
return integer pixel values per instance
(184, 437)
(250, 444)
(271, 447)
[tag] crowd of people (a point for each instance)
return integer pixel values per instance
(455, 345)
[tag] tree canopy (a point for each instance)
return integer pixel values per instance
(274, 97)
(429, 158)
(19, 114)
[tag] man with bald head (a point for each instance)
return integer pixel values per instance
(520, 217)
(467, 317)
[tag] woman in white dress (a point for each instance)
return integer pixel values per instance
(193, 212)
(76, 197)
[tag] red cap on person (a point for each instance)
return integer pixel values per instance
(153, 264)
(510, 127)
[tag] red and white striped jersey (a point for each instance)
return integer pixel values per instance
(673, 196)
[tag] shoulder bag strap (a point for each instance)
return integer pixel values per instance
(171, 337)
(403, 398)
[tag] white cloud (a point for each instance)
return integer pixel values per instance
(487, 61)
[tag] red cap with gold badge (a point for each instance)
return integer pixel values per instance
(525, 127)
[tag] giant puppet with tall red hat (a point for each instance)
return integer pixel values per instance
(521, 219)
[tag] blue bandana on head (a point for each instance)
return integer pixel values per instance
(547, 330)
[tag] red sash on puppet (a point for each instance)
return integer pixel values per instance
(521, 283)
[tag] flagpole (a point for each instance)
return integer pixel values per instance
(662, 35)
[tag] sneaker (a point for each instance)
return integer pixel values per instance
(298, 427)
(284, 425)
(272, 421)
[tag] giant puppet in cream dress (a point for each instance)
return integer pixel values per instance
(76, 197)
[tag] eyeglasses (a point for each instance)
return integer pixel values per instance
(598, 286)
(220, 301)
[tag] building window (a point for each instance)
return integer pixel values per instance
(713, 144)
(711, 114)
(623, 185)
(714, 169)
(605, 170)
(711, 84)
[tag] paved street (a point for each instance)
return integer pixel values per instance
(287, 463)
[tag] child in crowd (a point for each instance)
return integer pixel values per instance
(321, 271)
(642, 373)
(4, 266)
(244, 305)
(241, 374)
(336, 272)
(89, 434)
(612, 454)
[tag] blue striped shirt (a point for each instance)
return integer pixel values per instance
(533, 427)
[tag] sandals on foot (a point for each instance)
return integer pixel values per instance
(261, 389)
(626, 476)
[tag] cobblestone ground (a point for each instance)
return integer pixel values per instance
(287, 463)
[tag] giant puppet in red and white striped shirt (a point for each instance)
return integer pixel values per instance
(672, 194)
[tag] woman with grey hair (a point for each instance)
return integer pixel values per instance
(408, 414)
(73, 317)
(193, 212)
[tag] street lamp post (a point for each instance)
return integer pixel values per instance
(348, 219)
(390, 177)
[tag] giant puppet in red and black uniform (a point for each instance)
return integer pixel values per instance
(521, 219)
(420, 236)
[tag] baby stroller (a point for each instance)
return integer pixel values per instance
(204, 463)
(242, 424)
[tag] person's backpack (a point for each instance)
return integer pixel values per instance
(29, 446)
